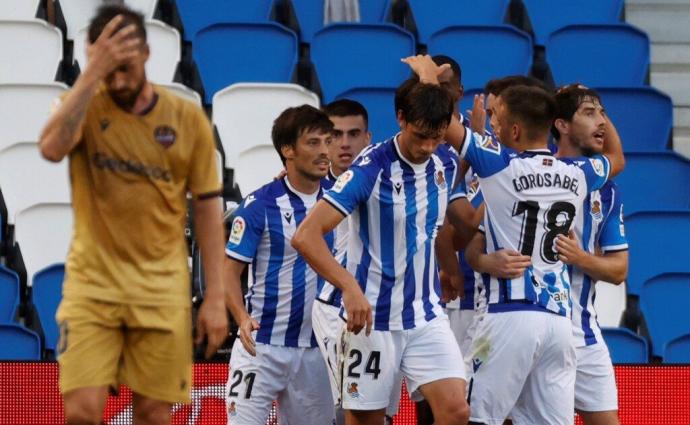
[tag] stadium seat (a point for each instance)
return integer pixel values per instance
(653, 251)
(654, 181)
(663, 302)
(145, 7)
(643, 117)
(47, 181)
(467, 43)
(78, 14)
(244, 114)
(548, 16)
(609, 303)
(19, 10)
(24, 109)
(248, 176)
(18, 343)
(678, 350)
(310, 15)
(625, 346)
(432, 16)
(348, 56)
(197, 14)
(183, 91)
(43, 233)
(255, 52)
(615, 55)
(46, 294)
(380, 105)
(9, 294)
(21, 62)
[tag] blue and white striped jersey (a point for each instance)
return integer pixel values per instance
(531, 198)
(328, 293)
(600, 226)
(282, 286)
(395, 209)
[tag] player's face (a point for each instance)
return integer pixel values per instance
(310, 154)
(491, 103)
(588, 127)
(350, 136)
(417, 144)
(126, 82)
(502, 124)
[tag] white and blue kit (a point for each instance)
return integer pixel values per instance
(525, 340)
(288, 366)
(395, 208)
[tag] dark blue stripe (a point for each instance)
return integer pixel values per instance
(586, 281)
(410, 287)
(250, 292)
(299, 282)
(275, 263)
(362, 270)
(432, 214)
(382, 310)
(467, 302)
(503, 284)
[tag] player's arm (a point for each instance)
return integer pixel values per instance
(234, 300)
(613, 149)
(463, 219)
(504, 263)
(610, 267)
(310, 243)
(63, 131)
(452, 281)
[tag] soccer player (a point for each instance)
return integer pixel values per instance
(277, 357)
(525, 340)
(395, 195)
(134, 150)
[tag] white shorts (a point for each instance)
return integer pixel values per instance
(524, 367)
(595, 382)
(295, 377)
(371, 365)
(460, 323)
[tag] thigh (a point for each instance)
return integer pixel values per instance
(90, 345)
(157, 354)
(327, 328)
(595, 380)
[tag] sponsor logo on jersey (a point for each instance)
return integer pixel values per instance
(342, 181)
(237, 231)
(232, 409)
(165, 135)
(103, 162)
(398, 187)
(288, 216)
(598, 166)
(352, 390)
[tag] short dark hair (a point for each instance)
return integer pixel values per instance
(568, 100)
(293, 122)
(426, 105)
(498, 85)
(533, 107)
(443, 59)
(110, 10)
(347, 108)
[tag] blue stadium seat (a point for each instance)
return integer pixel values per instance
(9, 294)
(249, 52)
(658, 244)
(548, 16)
(348, 56)
(642, 115)
(432, 16)
(615, 55)
(18, 343)
(310, 14)
(678, 350)
(468, 44)
(380, 105)
(625, 346)
(467, 100)
(663, 302)
(46, 294)
(197, 14)
(654, 181)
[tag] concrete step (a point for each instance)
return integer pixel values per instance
(670, 57)
(675, 84)
(663, 22)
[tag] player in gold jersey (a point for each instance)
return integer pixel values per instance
(135, 151)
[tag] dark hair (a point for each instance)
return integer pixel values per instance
(568, 100)
(498, 85)
(346, 108)
(426, 105)
(443, 59)
(408, 84)
(107, 12)
(293, 122)
(533, 107)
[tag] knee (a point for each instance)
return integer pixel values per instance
(82, 413)
(152, 415)
(455, 413)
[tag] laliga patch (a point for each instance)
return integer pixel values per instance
(237, 231)
(165, 135)
(598, 166)
(343, 180)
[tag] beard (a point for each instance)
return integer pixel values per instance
(126, 99)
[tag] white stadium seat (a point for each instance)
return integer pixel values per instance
(183, 91)
(219, 164)
(32, 51)
(18, 9)
(78, 14)
(43, 232)
(24, 109)
(145, 7)
(26, 179)
(609, 304)
(256, 166)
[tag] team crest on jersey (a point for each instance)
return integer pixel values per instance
(352, 390)
(165, 135)
(342, 181)
(237, 231)
(598, 166)
(489, 144)
(596, 210)
(232, 409)
(440, 178)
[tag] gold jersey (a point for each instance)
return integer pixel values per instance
(130, 176)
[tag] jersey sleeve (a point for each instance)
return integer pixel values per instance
(353, 187)
(612, 237)
(484, 153)
(203, 178)
(246, 230)
(459, 192)
(596, 169)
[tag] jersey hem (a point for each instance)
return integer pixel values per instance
(238, 257)
(335, 205)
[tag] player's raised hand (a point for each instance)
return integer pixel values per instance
(112, 48)
(358, 310)
(478, 114)
(212, 324)
(426, 69)
(248, 326)
(506, 264)
(569, 249)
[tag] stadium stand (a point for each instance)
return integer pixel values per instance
(46, 294)
(197, 14)
(19, 10)
(19, 343)
(625, 346)
(379, 105)
(77, 14)
(310, 15)
(183, 91)
(663, 301)
(145, 7)
(30, 36)
(677, 350)
(9, 295)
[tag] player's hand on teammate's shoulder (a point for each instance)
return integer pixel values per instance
(569, 249)
(247, 326)
(212, 324)
(506, 263)
(112, 48)
(358, 310)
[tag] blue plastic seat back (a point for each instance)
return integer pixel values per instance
(379, 103)
(625, 346)
(18, 343)
(310, 14)
(643, 117)
(9, 294)
(197, 14)
(252, 52)
(46, 295)
(615, 55)
(432, 16)
(664, 304)
(678, 350)
(548, 16)
(348, 56)
(468, 45)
